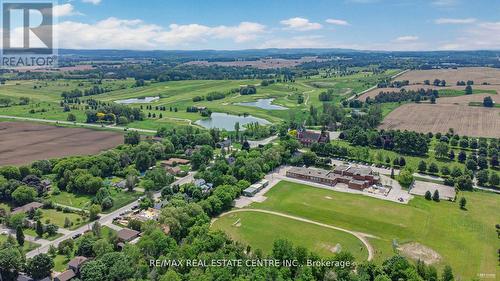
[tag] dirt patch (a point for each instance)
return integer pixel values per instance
(465, 120)
(477, 74)
(333, 249)
(22, 142)
(418, 251)
(328, 197)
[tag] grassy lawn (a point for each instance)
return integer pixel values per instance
(83, 201)
(32, 232)
(261, 230)
(464, 239)
(28, 246)
(80, 201)
(57, 218)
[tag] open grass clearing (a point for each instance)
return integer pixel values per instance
(463, 239)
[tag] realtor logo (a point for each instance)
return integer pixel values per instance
(27, 34)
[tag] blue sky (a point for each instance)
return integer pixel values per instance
(242, 24)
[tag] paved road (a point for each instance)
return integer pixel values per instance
(111, 127)
(105, 219)
(361, 236)
(262, 142)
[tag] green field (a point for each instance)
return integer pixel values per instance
(57, 218)
(465, 239)
(46, 96)
(261, 230)
(83, 201)
(28, 246)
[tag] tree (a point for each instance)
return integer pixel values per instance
(464, 182)
(94, 211)
(488, 102)
(11, 262)
(309, 158)
(39, 228)
(468, 90)
(435, 195)
(71, 117)
(422, 166)
(451, 156)
(24, 194)
(441, 150)
(132, 138)
(405, 178)
(433, 168)
(494, 179)
(447, 274)
(471, 164)
(482, 177)
(463, 202)
(96, 229)
(40, 266)
(94, 270)
(20, 235)
(237, 129)
(51, 229)
(143, 161)
(462, 156)
(428, 195)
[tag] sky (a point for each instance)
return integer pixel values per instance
(402, 25)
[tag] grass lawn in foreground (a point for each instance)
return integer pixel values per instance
(32, 232)
(466, 240)
(80, 201)
(261, 230)
(28, 246)
(57, 218)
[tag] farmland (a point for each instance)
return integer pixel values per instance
(45, 97)
(465, 120)
(22, 143)
(462, 239)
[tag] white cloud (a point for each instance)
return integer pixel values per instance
(445, 3)
(94, 2)
(337, 22)
(455, 21)
(114, 33)
(481, 36)
(65, 10)
(407, 38)
(296, 42)
(300, 24)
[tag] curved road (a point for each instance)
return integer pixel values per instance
(360, 236)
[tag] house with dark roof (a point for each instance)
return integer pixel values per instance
(127, 234)
(27, 207)
(76, 263)
(307, 138)
(65, 276)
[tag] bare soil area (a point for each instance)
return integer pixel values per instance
(465, 120)
(22, 143)
(418, 251)
(477, 74)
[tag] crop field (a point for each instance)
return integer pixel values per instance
(463, 239)
(479, 75)
(261, 230)
(22, 143)
(46, 96)
(464, 119)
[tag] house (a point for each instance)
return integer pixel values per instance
(307, 138)
(76, 263)
(147, 215)
(127, 235)
(27, 207)
(121, 184)
(203, 185)
(173, 170)
(45, 184)
(65, 276)
(174, 162)
(224, 144)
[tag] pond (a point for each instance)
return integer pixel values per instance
(138, 100)
(227, 121)
(264, 104)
